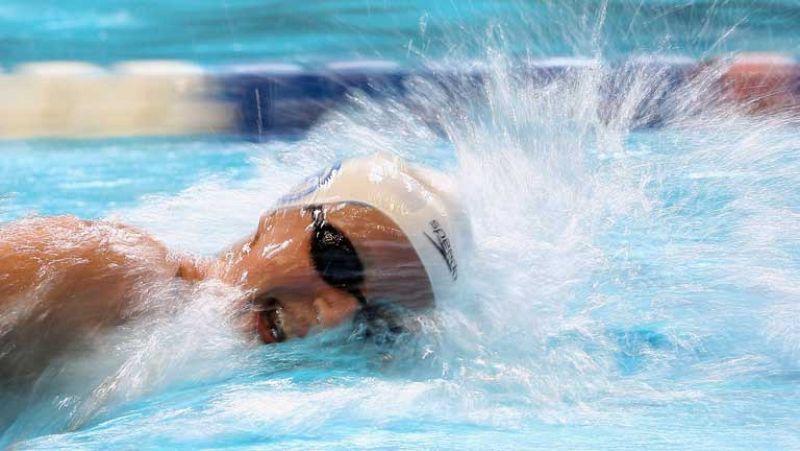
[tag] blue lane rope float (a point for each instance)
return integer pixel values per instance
(137, 98)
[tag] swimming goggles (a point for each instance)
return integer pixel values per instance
(334, 256)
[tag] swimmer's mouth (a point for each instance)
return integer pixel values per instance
(269, 323)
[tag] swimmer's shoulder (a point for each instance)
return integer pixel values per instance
(66, 250)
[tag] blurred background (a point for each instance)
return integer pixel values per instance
(233, 31)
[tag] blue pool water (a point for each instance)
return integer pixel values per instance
(93, 178)
(220, 31)
(627, 289)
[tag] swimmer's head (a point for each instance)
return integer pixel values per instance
(359, 236)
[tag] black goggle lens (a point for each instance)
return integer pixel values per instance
(335, 258)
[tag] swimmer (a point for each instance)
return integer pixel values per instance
(362, 236)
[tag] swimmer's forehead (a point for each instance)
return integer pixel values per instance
(343, 214)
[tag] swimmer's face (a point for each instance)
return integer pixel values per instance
(314, 267)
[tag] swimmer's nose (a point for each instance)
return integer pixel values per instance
(332, 307)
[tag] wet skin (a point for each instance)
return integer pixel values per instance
(62, 278)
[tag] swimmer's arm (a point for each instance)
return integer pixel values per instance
(63, 256)
(63, 278)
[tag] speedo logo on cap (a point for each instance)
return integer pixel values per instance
(442, 244)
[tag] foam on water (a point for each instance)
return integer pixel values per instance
(625, 289)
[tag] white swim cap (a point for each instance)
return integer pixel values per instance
(421, 201)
